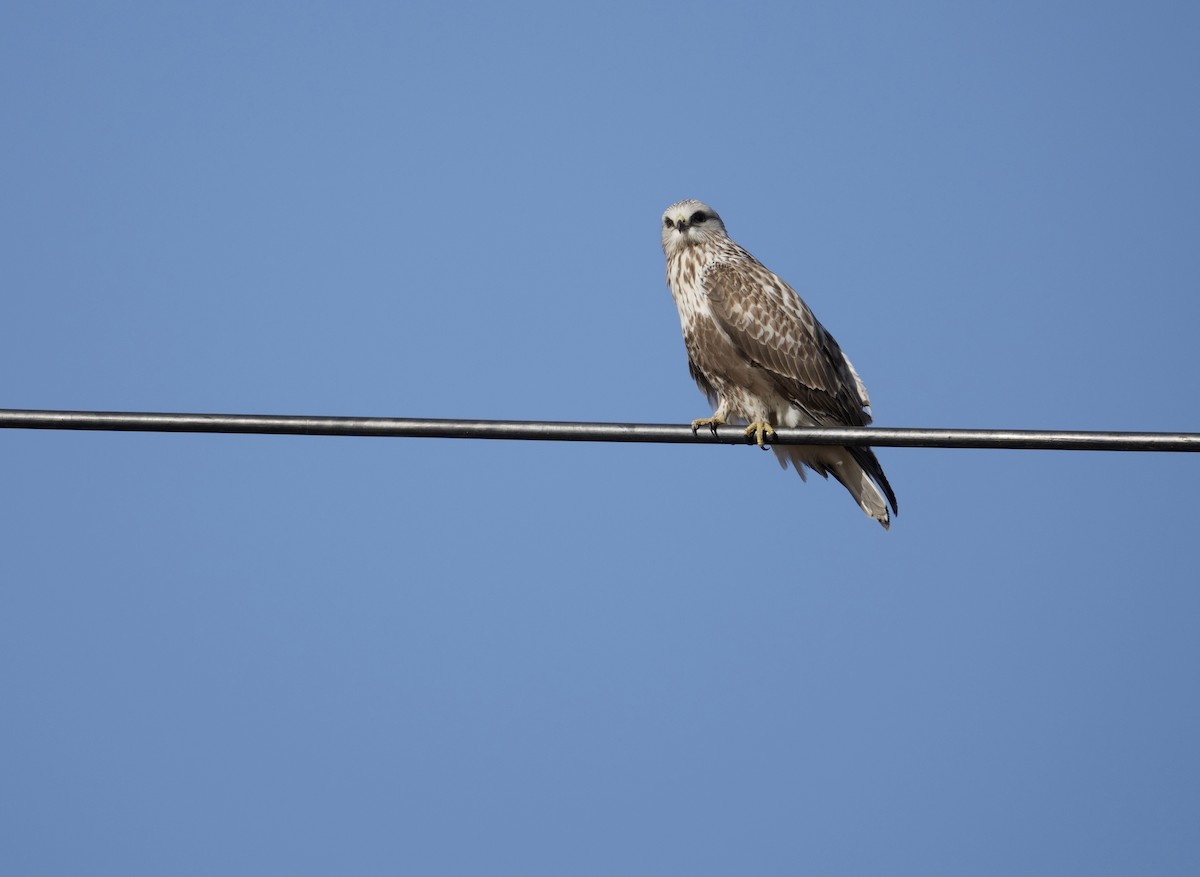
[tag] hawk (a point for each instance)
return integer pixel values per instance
(761, 357)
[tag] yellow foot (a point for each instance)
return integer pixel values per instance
(711, 422)
(761, 430)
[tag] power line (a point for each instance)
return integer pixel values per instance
(269, 424)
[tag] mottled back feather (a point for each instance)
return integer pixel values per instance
(768, 322)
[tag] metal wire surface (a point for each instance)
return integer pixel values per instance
(1060, 440)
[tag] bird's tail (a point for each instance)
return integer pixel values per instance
(856, 468)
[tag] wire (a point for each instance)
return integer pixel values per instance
(1022, 439)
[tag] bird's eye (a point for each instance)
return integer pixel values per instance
(667, 222)
(698, 217)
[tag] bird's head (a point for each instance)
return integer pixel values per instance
(688, 223)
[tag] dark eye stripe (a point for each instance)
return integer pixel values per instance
(698, 217)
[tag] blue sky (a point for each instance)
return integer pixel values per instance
(263, 655)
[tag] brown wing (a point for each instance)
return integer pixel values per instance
(769, 323)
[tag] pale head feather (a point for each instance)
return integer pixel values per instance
(690, 223)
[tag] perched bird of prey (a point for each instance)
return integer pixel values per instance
(758, 353)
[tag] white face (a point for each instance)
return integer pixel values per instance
(689, 222)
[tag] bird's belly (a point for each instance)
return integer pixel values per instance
(749, 392)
